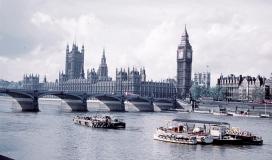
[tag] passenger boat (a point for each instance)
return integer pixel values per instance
(212, 132)
(99, 122)
(183, 131)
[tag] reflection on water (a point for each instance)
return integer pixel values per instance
(50, 134)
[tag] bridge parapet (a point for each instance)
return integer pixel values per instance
(161, 104)
(28, 100)
(138, 103)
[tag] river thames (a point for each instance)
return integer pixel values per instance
(51, 134)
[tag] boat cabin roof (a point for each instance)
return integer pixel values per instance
(200, 121)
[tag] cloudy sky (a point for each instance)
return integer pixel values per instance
(231, 36)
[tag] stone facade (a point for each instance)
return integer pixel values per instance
(74, 64)
(242, 87)
(184, 66)
(203, 79)
(102, 72)
(10, 85)
(31, 82)
(131, 81)
(268, 88)
(127, 82)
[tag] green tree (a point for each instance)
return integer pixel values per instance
(258, 93)
(195, 91)
(218, 93)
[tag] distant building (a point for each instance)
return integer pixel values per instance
(134, 82)
(203, 79)
(184, 66)
(31, 82)
(74, 63)
(130, 81)
(242, 87)
(4, 83)
(102, 72)
(268, 88)
(10, 85)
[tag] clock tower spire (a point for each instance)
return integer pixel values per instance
(184, 66)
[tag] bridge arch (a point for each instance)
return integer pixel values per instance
(163, 100)
(76, 102)
(106, 97)
(111, 101)
(138, 103)
(27, 100)
(161, 104)
(61, 95)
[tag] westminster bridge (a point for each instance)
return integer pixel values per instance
(28, 100)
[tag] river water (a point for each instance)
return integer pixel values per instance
(51, 134)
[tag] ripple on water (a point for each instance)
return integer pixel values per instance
(51, 134)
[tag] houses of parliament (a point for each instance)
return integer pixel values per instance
(127, 81)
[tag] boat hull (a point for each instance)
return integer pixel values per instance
(243, 115)
(174, 140)
(264, 116)
(236, 142)
(205, 139)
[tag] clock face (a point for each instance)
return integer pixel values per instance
(180, 54)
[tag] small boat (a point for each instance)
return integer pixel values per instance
(203, 111)
(265, 115)
(243, 114)
(222, 111)
(100, 122)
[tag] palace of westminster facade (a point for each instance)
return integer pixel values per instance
(127, 81)
(133, 81)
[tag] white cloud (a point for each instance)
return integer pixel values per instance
(40, 18)
(228, 36)
(157, 52)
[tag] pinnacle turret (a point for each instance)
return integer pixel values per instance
(184, 38)
(103, 59)
(82, 74)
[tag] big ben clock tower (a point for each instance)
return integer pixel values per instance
(184, 66)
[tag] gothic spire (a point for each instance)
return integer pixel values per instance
(103, 59)
(185, 38)
(44, 80)
(67, 48)
(185, 34)
(82, 49)
(82, 74)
